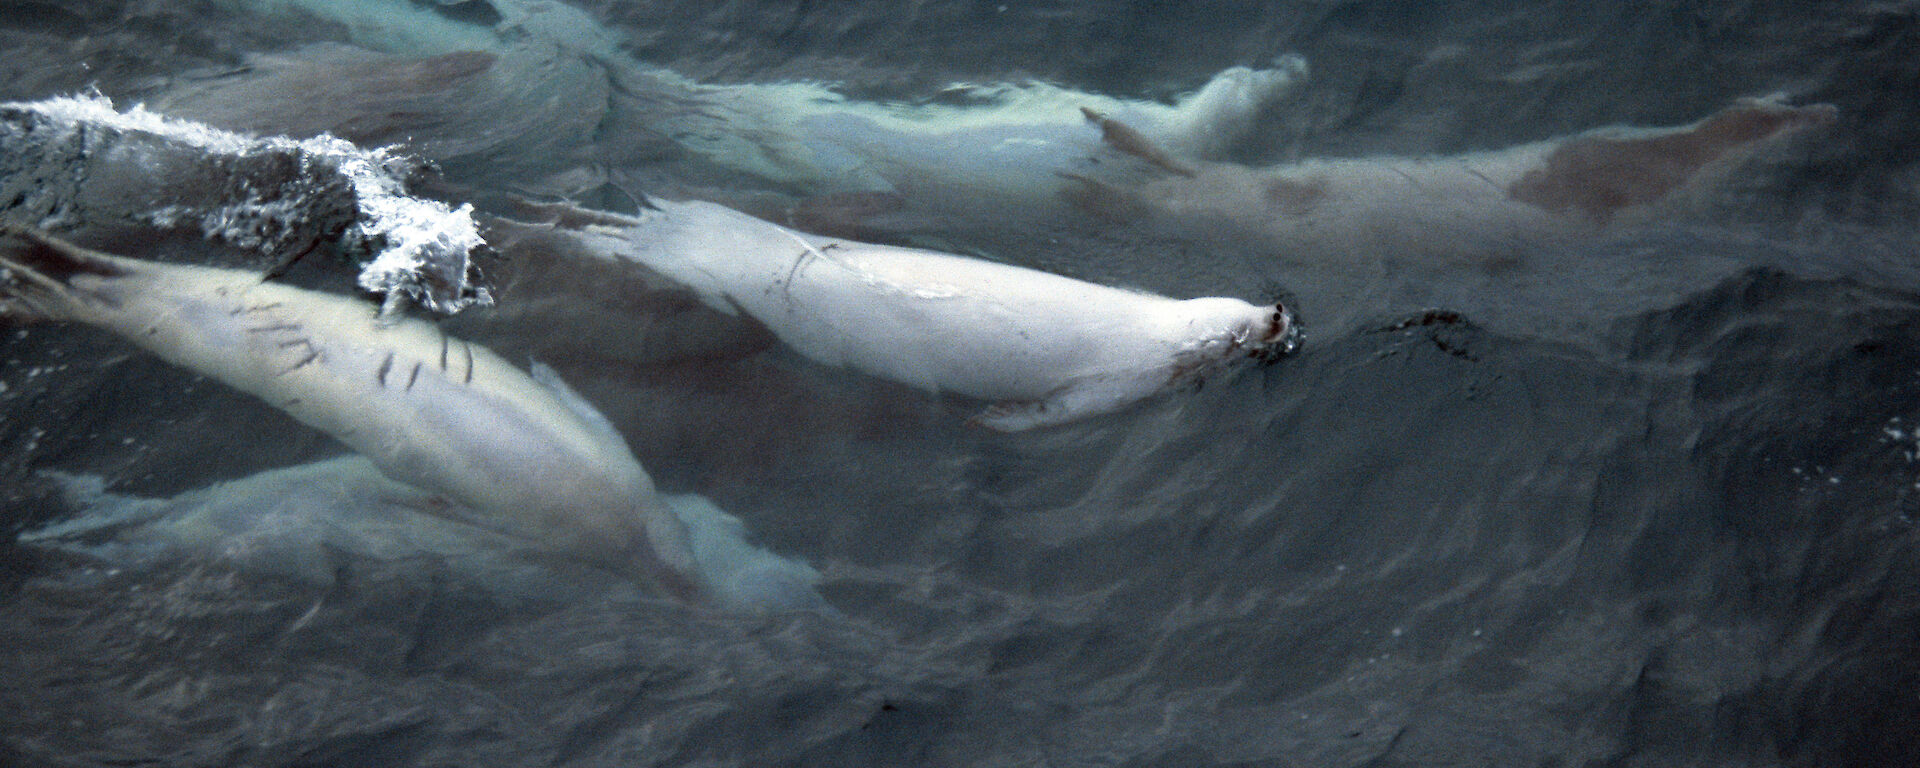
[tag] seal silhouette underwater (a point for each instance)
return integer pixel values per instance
(1010, 155)
(514, 453)
(1449, 208)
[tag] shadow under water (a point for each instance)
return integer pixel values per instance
(1644, 499)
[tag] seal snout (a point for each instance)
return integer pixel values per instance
(1280, 338)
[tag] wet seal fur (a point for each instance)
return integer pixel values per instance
(519, 454)
(1045, 348)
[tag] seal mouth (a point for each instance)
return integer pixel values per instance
(1281, 338)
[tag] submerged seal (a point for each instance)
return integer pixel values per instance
(518, 454)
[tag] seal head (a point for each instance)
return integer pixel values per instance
(1280, 338)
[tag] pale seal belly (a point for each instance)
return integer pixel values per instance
(1046, 349)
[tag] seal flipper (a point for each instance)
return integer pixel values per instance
(1069, 403)
(1013, 416)
(97, 534)
(1123, 137)
(109, 513)
(37, 272)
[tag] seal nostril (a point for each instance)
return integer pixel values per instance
(1283, 335)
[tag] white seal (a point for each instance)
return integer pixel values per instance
(517, 454)
(550, 86)
(1046, 349)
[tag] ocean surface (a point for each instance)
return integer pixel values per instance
(1643, 498)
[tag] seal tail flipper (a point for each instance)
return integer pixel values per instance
(96, 534)
(89, 492)
(1019, 416)
(38, 273)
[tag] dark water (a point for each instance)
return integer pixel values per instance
(1644, 501)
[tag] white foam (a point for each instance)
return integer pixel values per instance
(423, 245)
